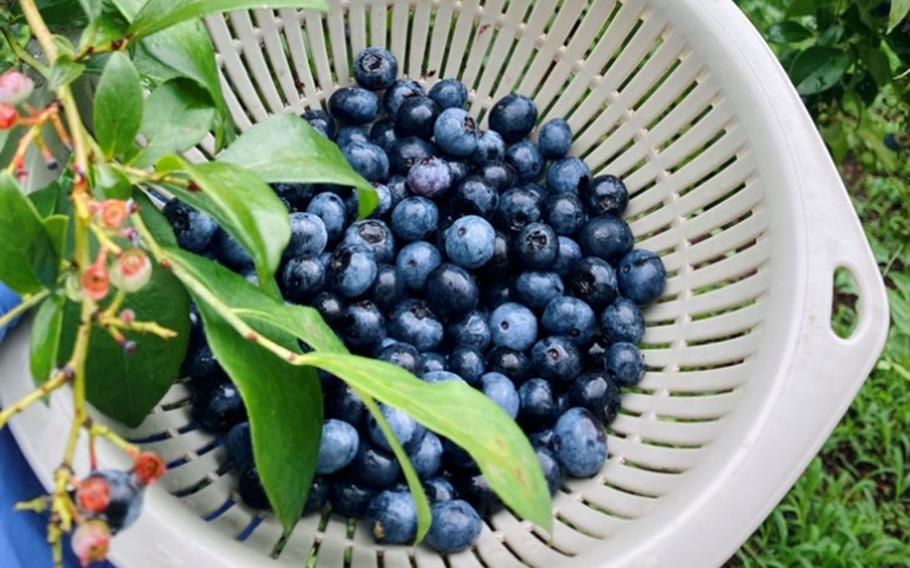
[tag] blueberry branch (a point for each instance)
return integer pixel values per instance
(59, 379)
(27, 303)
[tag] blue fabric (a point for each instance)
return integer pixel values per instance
(8, 301)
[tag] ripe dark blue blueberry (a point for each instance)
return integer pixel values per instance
(500, 175)
(302, 278)
(416, 117)
(401, 354)
(565, 213)
(392, 517)
(598, 393)
(471, 331)
(337, 448)
(537, 289)
(439, 489)
(437, 375)
(455, 526)
(374, 235)
(470, 242)
(330, 208)
(400, 91)
(343, 404)
(625, 364)
(193, 228)
(330, 306)
(449, 93)
(426, 457)
(388, 288)
(513, 117)
(541, 438)
(384, 195)
(309, 236)
(537, 404)
(622, 321)
(607, 237)
(202, 367)
(375, 68)
(594, 282)
(579, 443)
(238, 443)
(456, 133)
(474, 196)
(415, 218)
(556, 359)
(230, 252)
(451, 291)
(568, 258)
(551, 470)
(295, 195)
(323, 122)
(349, 134)
(517, 208)
(352, 270)
(569, 175)
(607, 195)
(511, 363)
(537, 246)
(500, 389)
(513, 326)
(468, 363)
(415, 262)
(475, 490)
(460, 170)
(398, 188)
(354, 105)
(525, 158)
(369, 160)
(219, 409)
(572, 318)
(430, 177)
(350, 498)
(318, 496)
(382, 133)
(362, 325)
(555, 139)
(642, 277)
(490, 148)
(375, 468)
(250, 488)
(408, 432)
(407, 151)
(125, 498)
(414, 322)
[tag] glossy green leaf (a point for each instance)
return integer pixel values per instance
(157, 15)
(154, 220)
(126, 387)
(178, 114)
(45, 338)
(57, 227)
(118, 105)
(818, 69)
(877, 64)
(285, 148)
(900, 9)
(129, 8)
(28, 262)
(284, 405)
(242, 204)
(454, 410)
(111, 183)
(788, 32)
(64, 71)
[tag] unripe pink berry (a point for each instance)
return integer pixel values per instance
(8, 116)
(148, 468)
(91, 541)
(15, 88)
(96, 283)
(132, 270)
(93, 495)
(112, 213)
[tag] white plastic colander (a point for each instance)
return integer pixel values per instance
(730, 183)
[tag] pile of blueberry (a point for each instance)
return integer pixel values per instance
(492, 259)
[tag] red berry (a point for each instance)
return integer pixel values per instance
(96, 283)
(8, 116)
(93, 495)
(148, 468)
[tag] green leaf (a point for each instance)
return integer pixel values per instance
(286, 148)
(877, 64)
(64, 71)
(111, 183)
(129, 8)
(62, 12)
(45, 338)
(284, 405)
(28, 262)
(242, 204)
(802, 8)
(178, 114)
(153, 218)
(56, 227)
(92, 8)
(126, 387)
(899, 11)
(157, 15)
(817, 69)
(118, 105)
(455, 410)
(47, 201)
(788, 32)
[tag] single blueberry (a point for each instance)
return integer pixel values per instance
(354, 105)
(439, 489)
(301, 279)
(525, 157)
(539, 191)
(330, 208)
(337, 447)
(322, 121)
(555, 139)
(622, 321)
(407, 431)
(607, 237)
(352, 270)
(374, 235)
(455, 527)
(474, 196)
(468, 363)
(568, 258)
(382, 133)
(426, 457)
(415, 218)
(537, 246)
(250, 488)
(513, 326)
(330, 306)
(565, 213)
(471, 331)
(369, 160)
(569, 175)
(348, 134)
(500, 389)
(193, 228)
(230, 252)
(415, 262)
(556, 358)
(598, 393)
(398, 188)
(414, 322)
(490, 148)
(449, 93)
(456, 132)
(607, 195)
(375, 468)
(350, 498)
(642, 277)
(537, 404)
(384, 195)
(219, 409)
(579, 443)
(517, 208)
(362, 325)
(625, 364)
(440, 376)
(238, 443)
(594, 282)
(392, 517)
(513, 117)
(511, 363)
(500, 175)
(308, 235)
(475, 490)
(202, 367)
(572, 318)
(551, 470)
(388, 288)
(400, 91)
(451, 291)
(318, 496)
(416, 117)
(430, 177)
(343, 404)
(470, 242)
(456, 459)
(296, 195)
(375, 68)
(537, 289)
(403, 355)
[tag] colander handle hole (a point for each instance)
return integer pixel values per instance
(846, 303)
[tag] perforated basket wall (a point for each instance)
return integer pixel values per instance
(730, 183)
